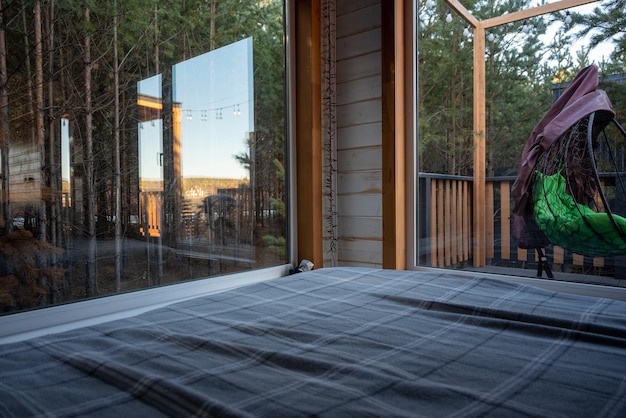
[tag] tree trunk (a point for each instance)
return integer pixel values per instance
(39, 121)
(116, 163)
(53, 129)
(91, 281)
(212, 27)
(7, 211)
(29, 75)
(156, 39)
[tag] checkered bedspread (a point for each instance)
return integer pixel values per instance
(335, 342)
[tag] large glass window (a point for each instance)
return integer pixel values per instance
(144, 144)
(528, 63)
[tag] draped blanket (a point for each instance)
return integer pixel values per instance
(579, 99)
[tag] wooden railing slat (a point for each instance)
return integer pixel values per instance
(505, 224)
(489, 208)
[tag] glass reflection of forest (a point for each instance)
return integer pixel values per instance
(143, 146)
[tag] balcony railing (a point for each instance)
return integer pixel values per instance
(445, 228)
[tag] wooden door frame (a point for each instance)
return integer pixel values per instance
(308, 131)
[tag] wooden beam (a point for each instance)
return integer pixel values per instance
(515, 16)
(463, 12)
(393, 134)
(308, 141)
(533, 12)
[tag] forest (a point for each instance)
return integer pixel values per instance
(527, 62)
(143, 143)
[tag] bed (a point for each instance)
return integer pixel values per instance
(335, 342)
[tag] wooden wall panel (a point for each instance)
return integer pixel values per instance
(345, 7)
(363, 205)
(360, 182)
(362, 252)
(365, 135)
(360, 227)
(359, 146)
(358, 113)
(359, 159)
(359, 67)
(359, 20)
(357, 90)
(359, 44)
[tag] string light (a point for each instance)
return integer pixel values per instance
(449, 17)
(204, 113)
(430, 3)
(568, 18)
(525, 27)
(490, 37)
(466, 32)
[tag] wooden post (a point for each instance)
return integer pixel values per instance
(479, 148)
(309, 131)
(393, 134)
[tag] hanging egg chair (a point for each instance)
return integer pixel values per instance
(569, 199)
(569, 181)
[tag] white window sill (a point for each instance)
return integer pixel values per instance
(34, 323)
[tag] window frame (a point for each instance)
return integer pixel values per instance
(412, 195)
(37, 322)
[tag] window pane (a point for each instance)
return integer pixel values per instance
(465, 181)
(144, 146)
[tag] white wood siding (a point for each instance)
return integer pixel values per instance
(359, 131)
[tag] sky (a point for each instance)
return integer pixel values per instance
(597, 54)
(215, 93)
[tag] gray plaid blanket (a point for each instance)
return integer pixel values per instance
(335, 342)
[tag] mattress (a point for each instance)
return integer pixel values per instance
(335, 342)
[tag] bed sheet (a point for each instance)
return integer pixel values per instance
(335, 342)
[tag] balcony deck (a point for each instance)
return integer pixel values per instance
(445, 235)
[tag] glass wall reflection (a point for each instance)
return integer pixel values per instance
(170, 169)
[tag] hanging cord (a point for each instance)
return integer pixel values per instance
(597, 179)
(612, 156)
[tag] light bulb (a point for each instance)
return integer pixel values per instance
(449, 18)
(466, 32)
(490, 37)
(568, 18)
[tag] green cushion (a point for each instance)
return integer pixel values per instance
(573, 226)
